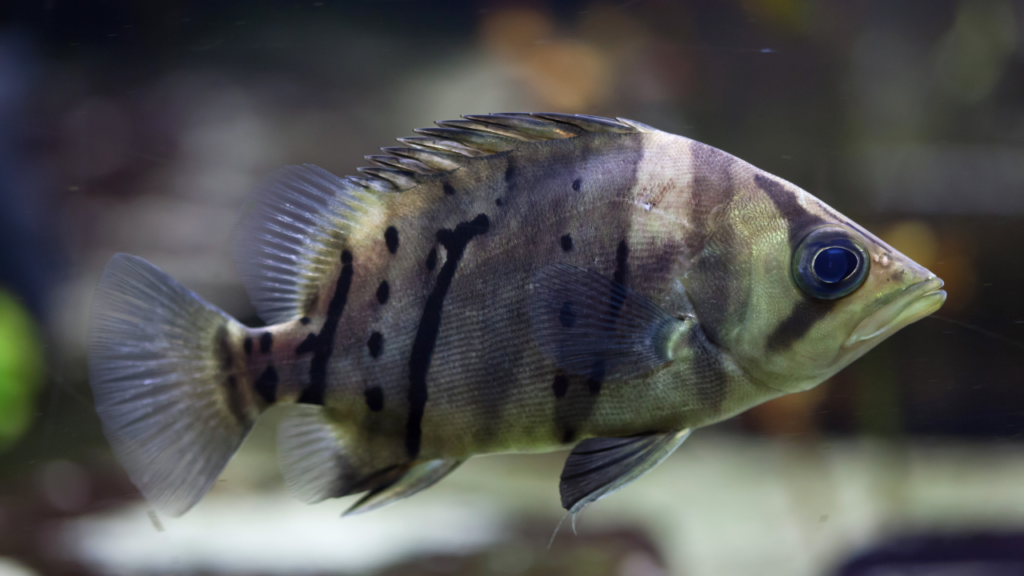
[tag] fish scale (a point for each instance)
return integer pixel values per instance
(502, 283)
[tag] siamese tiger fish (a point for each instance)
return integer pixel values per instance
(500, 283)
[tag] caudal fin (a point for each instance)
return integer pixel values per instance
(166, 374)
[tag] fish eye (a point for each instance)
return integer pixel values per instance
(830, 263)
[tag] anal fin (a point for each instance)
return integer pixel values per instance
(319, 461)
(600, 466)
(419, 477)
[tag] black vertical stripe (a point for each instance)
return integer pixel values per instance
(234, 400)
(716, 252)
(801, 319)
(807, 313)
(223, 348)
(266, 342)
(510, 176)
(621, 255)
(322, 345)
(266, 385)
(708, 369)
(454, 242)
(797, 218)
(247, 345)
(374, 398)
(616, 301)
(560, 386)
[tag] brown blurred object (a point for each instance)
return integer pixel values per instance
(792, 415)
(947, 254)
(564, 74)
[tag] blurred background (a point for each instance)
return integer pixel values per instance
(141, 127)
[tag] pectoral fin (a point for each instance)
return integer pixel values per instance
(419, 477)
(588, 323)
(600, 466)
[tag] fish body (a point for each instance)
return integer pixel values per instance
(505, 283)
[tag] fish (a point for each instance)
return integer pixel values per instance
(501, 283)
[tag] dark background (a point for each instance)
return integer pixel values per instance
(141, 126)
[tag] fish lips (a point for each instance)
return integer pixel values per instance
(914, 303)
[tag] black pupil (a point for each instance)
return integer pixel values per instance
(833, 264)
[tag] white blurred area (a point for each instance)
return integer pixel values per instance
(720, 506)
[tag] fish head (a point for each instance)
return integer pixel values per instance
(793, 291)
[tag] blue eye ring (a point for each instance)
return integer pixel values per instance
(830, 263)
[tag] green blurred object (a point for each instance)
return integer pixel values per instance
(21, 368)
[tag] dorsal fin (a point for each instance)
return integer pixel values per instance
(293, 238)
(450, 145)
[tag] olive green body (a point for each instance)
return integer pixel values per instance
(636, 206)
(508, 283)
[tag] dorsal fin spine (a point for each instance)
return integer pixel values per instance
(293, 238)
(437, 161)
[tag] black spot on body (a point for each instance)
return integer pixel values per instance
(247, 345)
(304, 320)
(322, 344)
(383, 291)
(266, 385)
(266, 342)
(375, 344)
(374, 398)
(391, 239)
(449, 190)
(454, 242)
(576, 184)
(432, 259)
(566, 315)
(499, 202)
(566, 243)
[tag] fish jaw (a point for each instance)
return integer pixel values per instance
(914, 303)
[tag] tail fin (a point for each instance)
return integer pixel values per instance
(166, 373)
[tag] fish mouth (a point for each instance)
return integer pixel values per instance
(913, 304)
